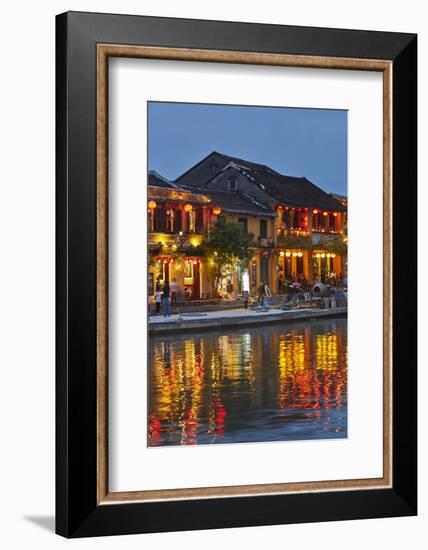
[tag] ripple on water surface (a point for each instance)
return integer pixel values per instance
(273, 383)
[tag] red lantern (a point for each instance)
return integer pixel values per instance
(315, 211)
(217, 211)
(188, 207)
(152, 205)
(325, 213)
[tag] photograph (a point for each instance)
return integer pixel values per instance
(213, 275)
(247, 273)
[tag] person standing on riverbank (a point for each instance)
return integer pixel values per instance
(165, 300)
(158, 300)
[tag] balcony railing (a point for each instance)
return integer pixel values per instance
(322, 229)
(302, 241)
(183, 241)
(326, 236)
(265, 242)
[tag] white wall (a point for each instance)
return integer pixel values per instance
(27, 270)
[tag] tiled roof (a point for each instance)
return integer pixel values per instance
(293, 191)
(157, 180)
(237, 202)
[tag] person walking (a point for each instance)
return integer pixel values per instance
(158, 299)
(165, 300)
(261, 293)
(266, 295)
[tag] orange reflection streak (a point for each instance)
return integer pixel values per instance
(205, 386)
(155, 428)
(307, 385)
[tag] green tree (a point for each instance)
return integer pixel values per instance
(227, 244)
(296, 241)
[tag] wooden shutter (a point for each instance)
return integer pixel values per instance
(199, 220)
(160, 218)
(178, 220)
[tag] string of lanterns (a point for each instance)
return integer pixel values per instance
(168, 260)
(187, 207)
(324, 213)
(289, 254)
(314, 211)
(217, 210)
(323, 255)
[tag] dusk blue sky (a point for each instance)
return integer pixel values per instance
(295, 142)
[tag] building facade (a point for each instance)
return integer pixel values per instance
(259, 221)
(177, 220)
(298, 229)
(310, 237)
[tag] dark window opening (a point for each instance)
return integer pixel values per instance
(199, 220)
(243, 222)
(316, 222)
(288, 268)
(299, 265)
(233, 184)
(160, 221)
(264, 270)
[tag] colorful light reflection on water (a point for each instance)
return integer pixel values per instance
(273, 383)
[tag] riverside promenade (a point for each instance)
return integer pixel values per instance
(189, 322)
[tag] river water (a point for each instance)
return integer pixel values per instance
(278, 382)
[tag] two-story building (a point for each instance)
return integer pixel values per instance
(256, 219)
(308, 238)
(176, 221)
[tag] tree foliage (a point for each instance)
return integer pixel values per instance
(337, 246)
(227, 244)
(296, 241)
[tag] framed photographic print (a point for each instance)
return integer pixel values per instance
(236, 243)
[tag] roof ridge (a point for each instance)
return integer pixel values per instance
(163, 178)
(197, 164)
(249, 162)
(252, 199)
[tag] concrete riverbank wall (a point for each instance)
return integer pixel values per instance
(237, 318)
